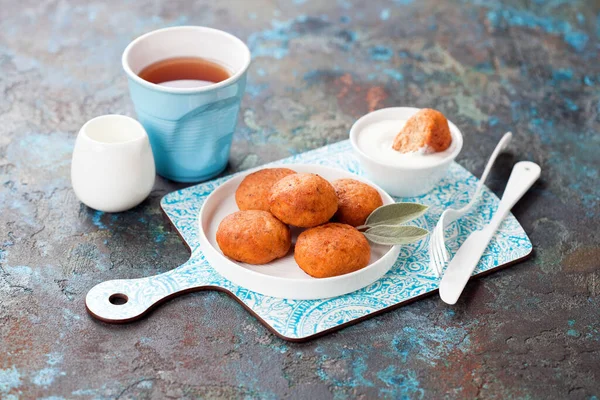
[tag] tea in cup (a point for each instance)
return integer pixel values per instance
(186, 84)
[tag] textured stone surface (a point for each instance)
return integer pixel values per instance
(531, 331)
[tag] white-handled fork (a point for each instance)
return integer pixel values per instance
(438, 254)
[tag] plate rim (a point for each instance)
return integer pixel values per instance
(206, 245)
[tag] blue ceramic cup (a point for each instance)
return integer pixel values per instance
(190, 128)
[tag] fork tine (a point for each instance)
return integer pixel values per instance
(434, 252)
(439, 255)
(433, 262)
(442, 244)
(446, 255)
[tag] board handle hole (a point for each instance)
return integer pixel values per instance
(118, 299)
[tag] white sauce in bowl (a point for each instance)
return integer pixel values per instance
(376, 139)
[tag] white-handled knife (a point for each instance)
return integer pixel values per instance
(460, 268)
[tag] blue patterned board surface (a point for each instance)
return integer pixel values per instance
(408, 278)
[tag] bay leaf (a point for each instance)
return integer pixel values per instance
(395, 214)
(395, 234)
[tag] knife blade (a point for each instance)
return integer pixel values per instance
(463, 264)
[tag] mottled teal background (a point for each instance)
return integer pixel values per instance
(531, 331)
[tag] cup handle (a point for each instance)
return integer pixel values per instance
(124, 300)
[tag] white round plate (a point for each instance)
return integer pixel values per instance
(283, 277)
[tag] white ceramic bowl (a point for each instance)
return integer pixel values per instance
(283, 277)
(405, 180)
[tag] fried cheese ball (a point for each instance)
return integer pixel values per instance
(303, 200)
(356, 201)
(426, 128)
(332, 249)
(253, 237)
(253, 193)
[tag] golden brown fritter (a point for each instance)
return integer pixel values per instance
(332, 249)
(253, 237)
(356, 201)
(253, 193)
(303, 200)
(427, 127)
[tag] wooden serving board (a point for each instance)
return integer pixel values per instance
(298, 320)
